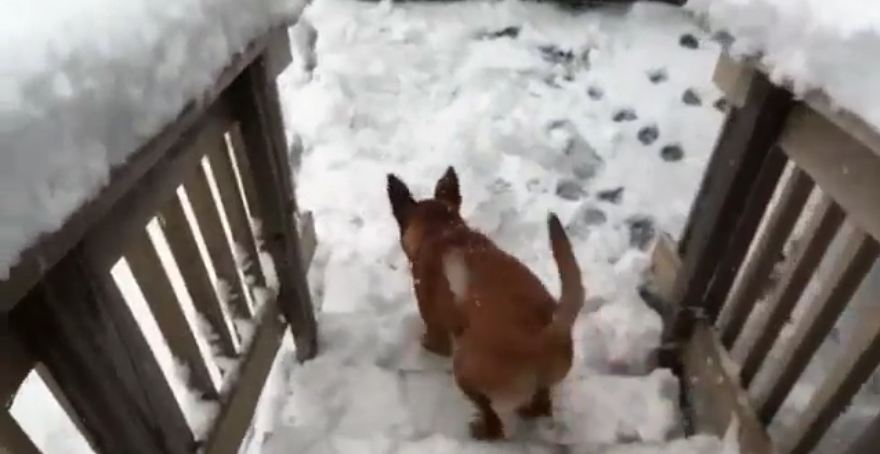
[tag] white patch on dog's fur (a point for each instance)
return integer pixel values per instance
(455, 269)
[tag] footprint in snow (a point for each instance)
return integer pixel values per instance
(648, 134)
(499, 185)
(689, 41)
(672, 153)
(554, 54)
(722, 104)
(625, 114)
(595, 92)
(658, 76)
(641, 231)
(511, 32)
(614, 196)
(569, 190)
(691, 98)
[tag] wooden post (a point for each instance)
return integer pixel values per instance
(256, 104)
(747, 136)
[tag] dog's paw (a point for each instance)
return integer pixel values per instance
(535, 411)
(482, 431)
(435, 346)
(540, 405)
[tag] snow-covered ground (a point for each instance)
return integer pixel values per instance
(605, 116)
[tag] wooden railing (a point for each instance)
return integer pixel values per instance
(64, 312)
(779, 163)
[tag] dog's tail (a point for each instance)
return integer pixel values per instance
(572, 298)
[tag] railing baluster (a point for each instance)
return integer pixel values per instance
(756, 205)
(769, 247)
(859, 361)
(823, 226)
(231, 199)
(192, 266)
(239, 158)
(208, 217)
(848, 271)
(154, 282)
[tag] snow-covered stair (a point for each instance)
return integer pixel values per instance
(606, 117)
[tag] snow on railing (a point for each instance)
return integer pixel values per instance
(157, 310)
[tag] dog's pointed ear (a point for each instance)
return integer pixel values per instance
(447, 189)
(402, 201)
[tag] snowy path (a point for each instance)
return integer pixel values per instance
(605, 117)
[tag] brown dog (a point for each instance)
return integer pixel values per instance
(511, 340)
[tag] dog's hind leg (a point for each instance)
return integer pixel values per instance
(540, 405)
(487, 425)
(437, 340)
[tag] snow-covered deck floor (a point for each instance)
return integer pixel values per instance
(606, 117)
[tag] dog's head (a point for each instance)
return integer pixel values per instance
(419, 218)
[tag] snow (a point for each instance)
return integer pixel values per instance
(814, 44)
(489, 87)
(44, 420)
(84, 83)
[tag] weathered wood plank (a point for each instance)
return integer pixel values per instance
(76, 324)
(194, 270)
(823, 226)
(715, 395)
(208, 218)
(779, 225)
(868, 441)
(146, 265)
(747, 136)
(13, 440)
(50, 248)
(256, 101)
(16, 362)
(247, 185)
(841, 165)
(733, 78)
(845, 120)
(858, 362)
(278, 55)
(746, 227)
(848, 271)
(238, 408)
(139, 205)
(233, 205)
